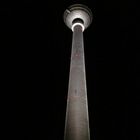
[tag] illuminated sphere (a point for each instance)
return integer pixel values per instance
(77, 14)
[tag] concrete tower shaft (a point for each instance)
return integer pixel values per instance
(77, 123)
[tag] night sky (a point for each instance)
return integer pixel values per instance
(36, 62)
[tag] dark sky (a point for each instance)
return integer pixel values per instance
(37, 47)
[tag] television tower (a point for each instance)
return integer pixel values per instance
(77, 17)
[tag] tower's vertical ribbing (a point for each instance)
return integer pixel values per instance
(77, 123)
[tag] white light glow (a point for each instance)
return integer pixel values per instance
(75, 24)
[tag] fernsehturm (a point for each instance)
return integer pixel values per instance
(77, 17)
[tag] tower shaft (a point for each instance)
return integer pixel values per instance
(77, 122)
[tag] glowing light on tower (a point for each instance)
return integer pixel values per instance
(77, 17)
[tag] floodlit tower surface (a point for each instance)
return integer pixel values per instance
(77, 17)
